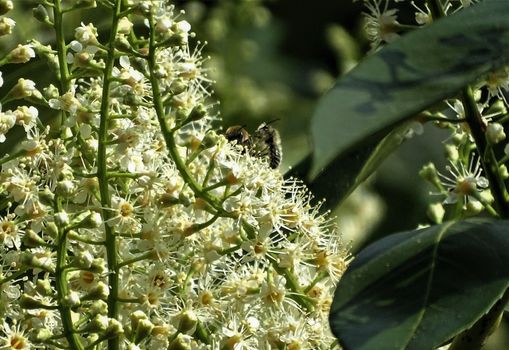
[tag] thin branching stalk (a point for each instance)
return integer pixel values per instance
(102, 175)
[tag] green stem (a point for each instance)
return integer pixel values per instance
(488, 159)
(167, 134)
(61, 275)
(293, 285)
(61, 51)
(12, 156)
(129, 301)
(145, 256)
(102, 175)
(437, 9)
(63, 291)
(216, 185)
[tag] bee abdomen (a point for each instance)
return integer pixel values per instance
(275, 156)
(275, 150)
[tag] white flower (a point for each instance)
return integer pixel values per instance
(381, 23)
(10, 233)
(26, 116)
(13, 338)
(86, 34)
(83, 53)
(183, 26)
(464, 183)
(66, 102)
(7, 121)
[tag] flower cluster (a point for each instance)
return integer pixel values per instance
(132, 223)
(477, 160)
(383, 25)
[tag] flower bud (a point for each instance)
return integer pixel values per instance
(51, 91)
(141, 326)
(497, 107)
(7, 121)
(436, 212)
(5, 6)
(495, 133)
(486, 196)
(122, 44)
(429, 173)
(451, 152)
(98, 265)
(40, 13)
(29, 302)
(98, 324)
(178, 86)
(71, 300)
(32, 239)
(43, 286)
(6, 26)
(210, 139)
(32, 261)
(458, 138)
(24, 88)
(98, 307)
(62, 219)
(100, 291)
(94, 220)
(125, 26)
(502, 170)
(423, 18)
(51, 229)
(187, 321)
(65, 188)
(42, 335)
(163, 330)
(474, 207)
(21, 54)
(83, 259)
(114, 328)
(136, 316)
(181, 342)
(197, 113)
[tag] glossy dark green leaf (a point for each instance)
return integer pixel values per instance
(406, 77)
(416, 290)
(349, 170)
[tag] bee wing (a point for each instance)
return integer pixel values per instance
(259, 149)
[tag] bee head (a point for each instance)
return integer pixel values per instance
(237, 133)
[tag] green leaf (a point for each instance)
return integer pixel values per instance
(417, 289)
(348, 171)
(406, 77)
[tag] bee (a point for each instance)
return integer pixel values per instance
(264, 143)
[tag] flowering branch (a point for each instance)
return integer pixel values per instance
(139, 224)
